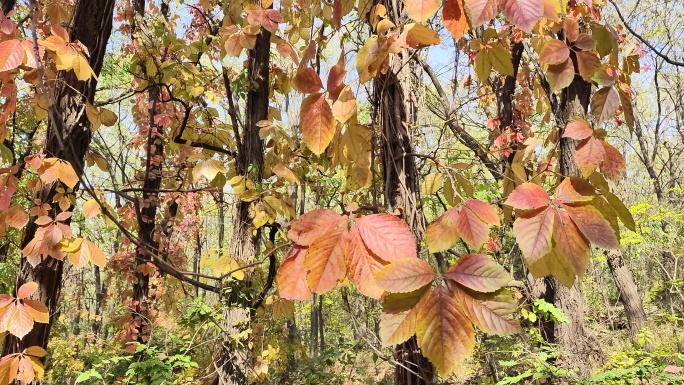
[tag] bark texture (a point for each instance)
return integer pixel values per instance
(233, 361)
(397, 113)
(68, 138)
(629, 295)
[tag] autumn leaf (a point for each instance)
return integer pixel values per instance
(345, 106)
(478, 272)
(613, 165)
(533, 231)
(326, 261)
(405, 275)
(317, 123)
(312, 225)
(17, 315)
(571, 243)
(480, 11)
(208, 168)
(387, 236)
(471, 228)
(399, 315)
(523, 13)
(363, 266)
(554, 52)
(493, 312)
(528, 196)
(593, 226)
(454, 18)
(589, 154)
(307, 81)
(291, 276)
(420, 10)
(578, 129)
(444, 333)
(560, 75)
(11, 55)
(605, 104)
(442, 233)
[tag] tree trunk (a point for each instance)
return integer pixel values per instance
(68, 138)
(629, 296)
(232, 364)
(395, 98)
(573, 337)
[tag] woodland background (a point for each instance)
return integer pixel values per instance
(156, 156)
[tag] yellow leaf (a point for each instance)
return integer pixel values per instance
(82, 68)
(209, 169)
(107, 117)
(432, 183)
(91, 209)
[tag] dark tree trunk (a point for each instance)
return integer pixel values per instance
(68, 138)
(232, 362)
(396, 106)
(573, 337)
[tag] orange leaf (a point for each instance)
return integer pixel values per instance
(492, 313)
(307, 81)
(312, 225)
(533, 231)
(420, 10)
(325, 261)
(571, 243)
(554, 52)
(399, 315)
(387, 236)
(91, 209)
(455, 19)
(16, 217)
(345, 105)
(317, 123)
(363, 266)
(26, 290)
(444, 334)
(528, 196)
(442, 232)
(593, 226)
(478, 272)
(613, 166)
(471, 228)
(291, 276)
(405, 275)
(11, 55)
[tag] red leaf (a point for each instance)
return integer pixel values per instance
(574, 190)
(533, 232)
(605, 103)
(405, 275)
(528, 196)
(387, 236)
(26, 290)
(613, 166)
(478, 272)
(316, 123)
(11, 55)
(455, 19)
(442, 233)
(594, 227)
(589, 155)
(444, 334)
(312, 225)
(471, 228)
(578, 129)
(480, 11)
(484, 211)
(492, 313)
(307, 81)
(523, 13)
(363, 266)
(325, 261)
(335, 80)
(554, 52)
(560, 75)
(571, 243)
(291, 276)
(587, 64)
